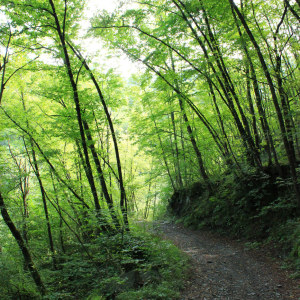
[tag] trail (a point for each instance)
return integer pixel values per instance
(224, 269)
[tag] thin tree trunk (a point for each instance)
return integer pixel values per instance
(226, 84)
(194, 144)
(270, 148)
(67, 63)
(251, 108)
(284, 133)
(164, 157)
(147, 208)
(228, 153)
(123, 200)
(191, 133)
(38, 176)
(100, 174)
(35, 168)
(61, 237)
(184, 155)
(22, 245)
(180, 183)
(24, 188)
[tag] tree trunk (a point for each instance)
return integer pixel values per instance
(284, 134)
(123, 200)
(67, 63)
(178, 169)
(100, 174)
(21, 243)
(43, 194)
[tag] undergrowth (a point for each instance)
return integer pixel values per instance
(122, 266)
(252, 206)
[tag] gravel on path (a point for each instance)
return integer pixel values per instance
(224, 269)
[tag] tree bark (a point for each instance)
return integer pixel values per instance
(22, 245)
(100, 174)
(43, 194)
(67, 63)
(123, 199)
(284, 133)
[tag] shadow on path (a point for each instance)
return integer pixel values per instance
(223, 269)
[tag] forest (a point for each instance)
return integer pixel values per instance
(181, 109)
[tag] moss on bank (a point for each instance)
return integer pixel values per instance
(255, 206)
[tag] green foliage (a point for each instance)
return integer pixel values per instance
(287, 236)
(203, 97)
(122, 266)
(16, 282)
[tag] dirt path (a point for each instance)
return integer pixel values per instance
(224, 269)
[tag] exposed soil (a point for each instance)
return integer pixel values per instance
(222, 268)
